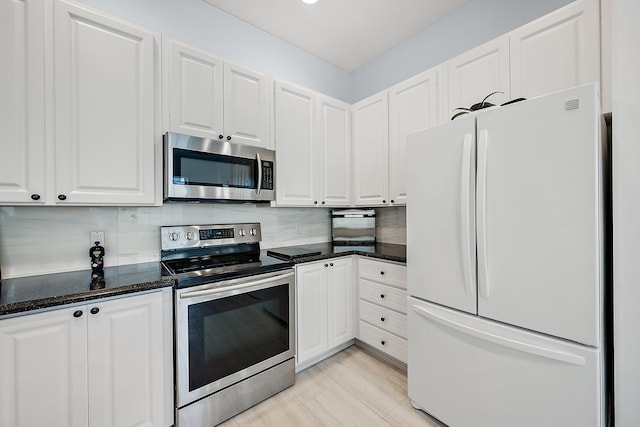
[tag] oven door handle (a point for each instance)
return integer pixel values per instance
(203, 292)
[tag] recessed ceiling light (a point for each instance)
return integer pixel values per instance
(310, 1)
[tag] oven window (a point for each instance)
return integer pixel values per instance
(229, 334)
(215, 170)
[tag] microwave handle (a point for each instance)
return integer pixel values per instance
(259, 162)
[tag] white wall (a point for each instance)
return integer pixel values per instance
(476, 22)
(200, 24)
(626, 210)
(40, 240)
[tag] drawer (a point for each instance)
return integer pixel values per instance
(384, 318)
(386, 296)
(384, 341)
(383, 272)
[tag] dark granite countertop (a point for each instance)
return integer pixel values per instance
(49, 290)
(383, 251)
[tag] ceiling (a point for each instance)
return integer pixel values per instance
(346, 33)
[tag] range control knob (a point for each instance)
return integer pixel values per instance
(253, 231)
(189, 235)
(241, 232)
(174, 236)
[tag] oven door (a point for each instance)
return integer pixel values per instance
(202, 169)
(230, 330)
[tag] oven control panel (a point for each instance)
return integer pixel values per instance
(195, 236)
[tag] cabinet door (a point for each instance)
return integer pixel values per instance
(311, 285)
(126, 362)
(43, 366)
(296, 146)
(247, 106)
(413, 105)
(22, 151)
(558, 51)
(334, 160)
(477, 73)
(193, 90)
(340, 302)
(105, 78)
(370, 150)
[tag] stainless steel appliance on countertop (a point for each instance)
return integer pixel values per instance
(353, 226)
(234, 320)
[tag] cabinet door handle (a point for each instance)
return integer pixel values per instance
(382, 319)
(331, 264)
(392, 201)
(220, 136)
(62, 197)
(384, 201)
(381, 295)
(95, 310)
(35, 197)
(77, 313)
(326, 265)
(228, 137)
(383, 342)
(382, 273)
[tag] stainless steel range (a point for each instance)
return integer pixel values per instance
(234, 320)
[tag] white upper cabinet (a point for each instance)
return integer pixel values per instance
(334, 145)
(558, 51)
(313, 148)
(105, 109)
(79, 108)
(247, 106)
(210, 98)
(296, 146)
(414, 104)
(479, 72)
(193, 90)
(22, 151)
(370, 150)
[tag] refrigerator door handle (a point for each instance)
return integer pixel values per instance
(483, 275)
(466, 219)
(514, 344)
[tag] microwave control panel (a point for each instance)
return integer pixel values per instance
(267, 175)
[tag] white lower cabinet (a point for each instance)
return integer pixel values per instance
(107, 363)
(325, 308)
(383, 307)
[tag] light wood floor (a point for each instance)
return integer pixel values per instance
(351, 388)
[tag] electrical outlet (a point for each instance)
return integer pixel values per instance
(97, 236)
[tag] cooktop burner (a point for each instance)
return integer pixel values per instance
(208, 253)
(209, 263)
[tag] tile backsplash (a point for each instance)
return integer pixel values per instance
(40, 240)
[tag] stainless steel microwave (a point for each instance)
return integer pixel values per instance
(201, 170)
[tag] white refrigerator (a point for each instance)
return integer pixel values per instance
(506, 265)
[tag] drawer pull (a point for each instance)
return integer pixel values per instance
(382, 342)
(382, 273)
(326, 265)
(381, 295)
(382, 319)
(77, 313)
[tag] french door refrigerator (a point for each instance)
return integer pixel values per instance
(505, 265)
